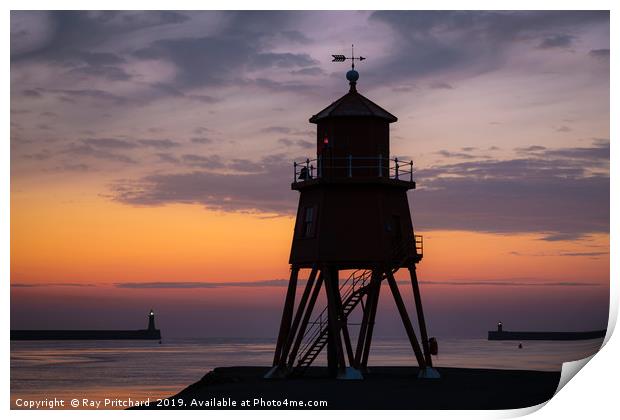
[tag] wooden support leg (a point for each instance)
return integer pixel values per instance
(304, 323)
(371, 317)
(300, 311)
(361, 339)
(335, 355)
(342, 325)
(406, 321)
(287, 315)
(420, 312)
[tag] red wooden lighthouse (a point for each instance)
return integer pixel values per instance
(353, 221)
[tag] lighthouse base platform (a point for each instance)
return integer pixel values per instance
(382, 388)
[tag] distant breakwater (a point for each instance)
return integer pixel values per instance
(150, 334)
(546, 335)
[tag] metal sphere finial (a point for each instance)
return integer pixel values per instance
(353, 75)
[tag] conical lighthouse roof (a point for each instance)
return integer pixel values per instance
(353, 104)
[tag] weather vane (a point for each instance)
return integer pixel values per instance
(341, 58)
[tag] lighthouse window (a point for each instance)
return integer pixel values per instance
(308, 226)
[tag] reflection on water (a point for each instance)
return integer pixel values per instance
(138, 370)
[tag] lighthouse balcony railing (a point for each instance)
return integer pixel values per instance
(419, 245)
(353, 167)
(413, 245)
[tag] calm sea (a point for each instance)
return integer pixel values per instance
(137, 370)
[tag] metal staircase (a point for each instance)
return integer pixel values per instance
(352, 291)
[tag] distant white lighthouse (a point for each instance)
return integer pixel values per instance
(151, 321)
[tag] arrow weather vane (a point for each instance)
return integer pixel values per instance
(340, 58)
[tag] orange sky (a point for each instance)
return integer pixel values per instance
(90, 239)
(69, 236)
(508, 130)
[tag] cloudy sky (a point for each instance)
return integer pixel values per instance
(151, 155)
